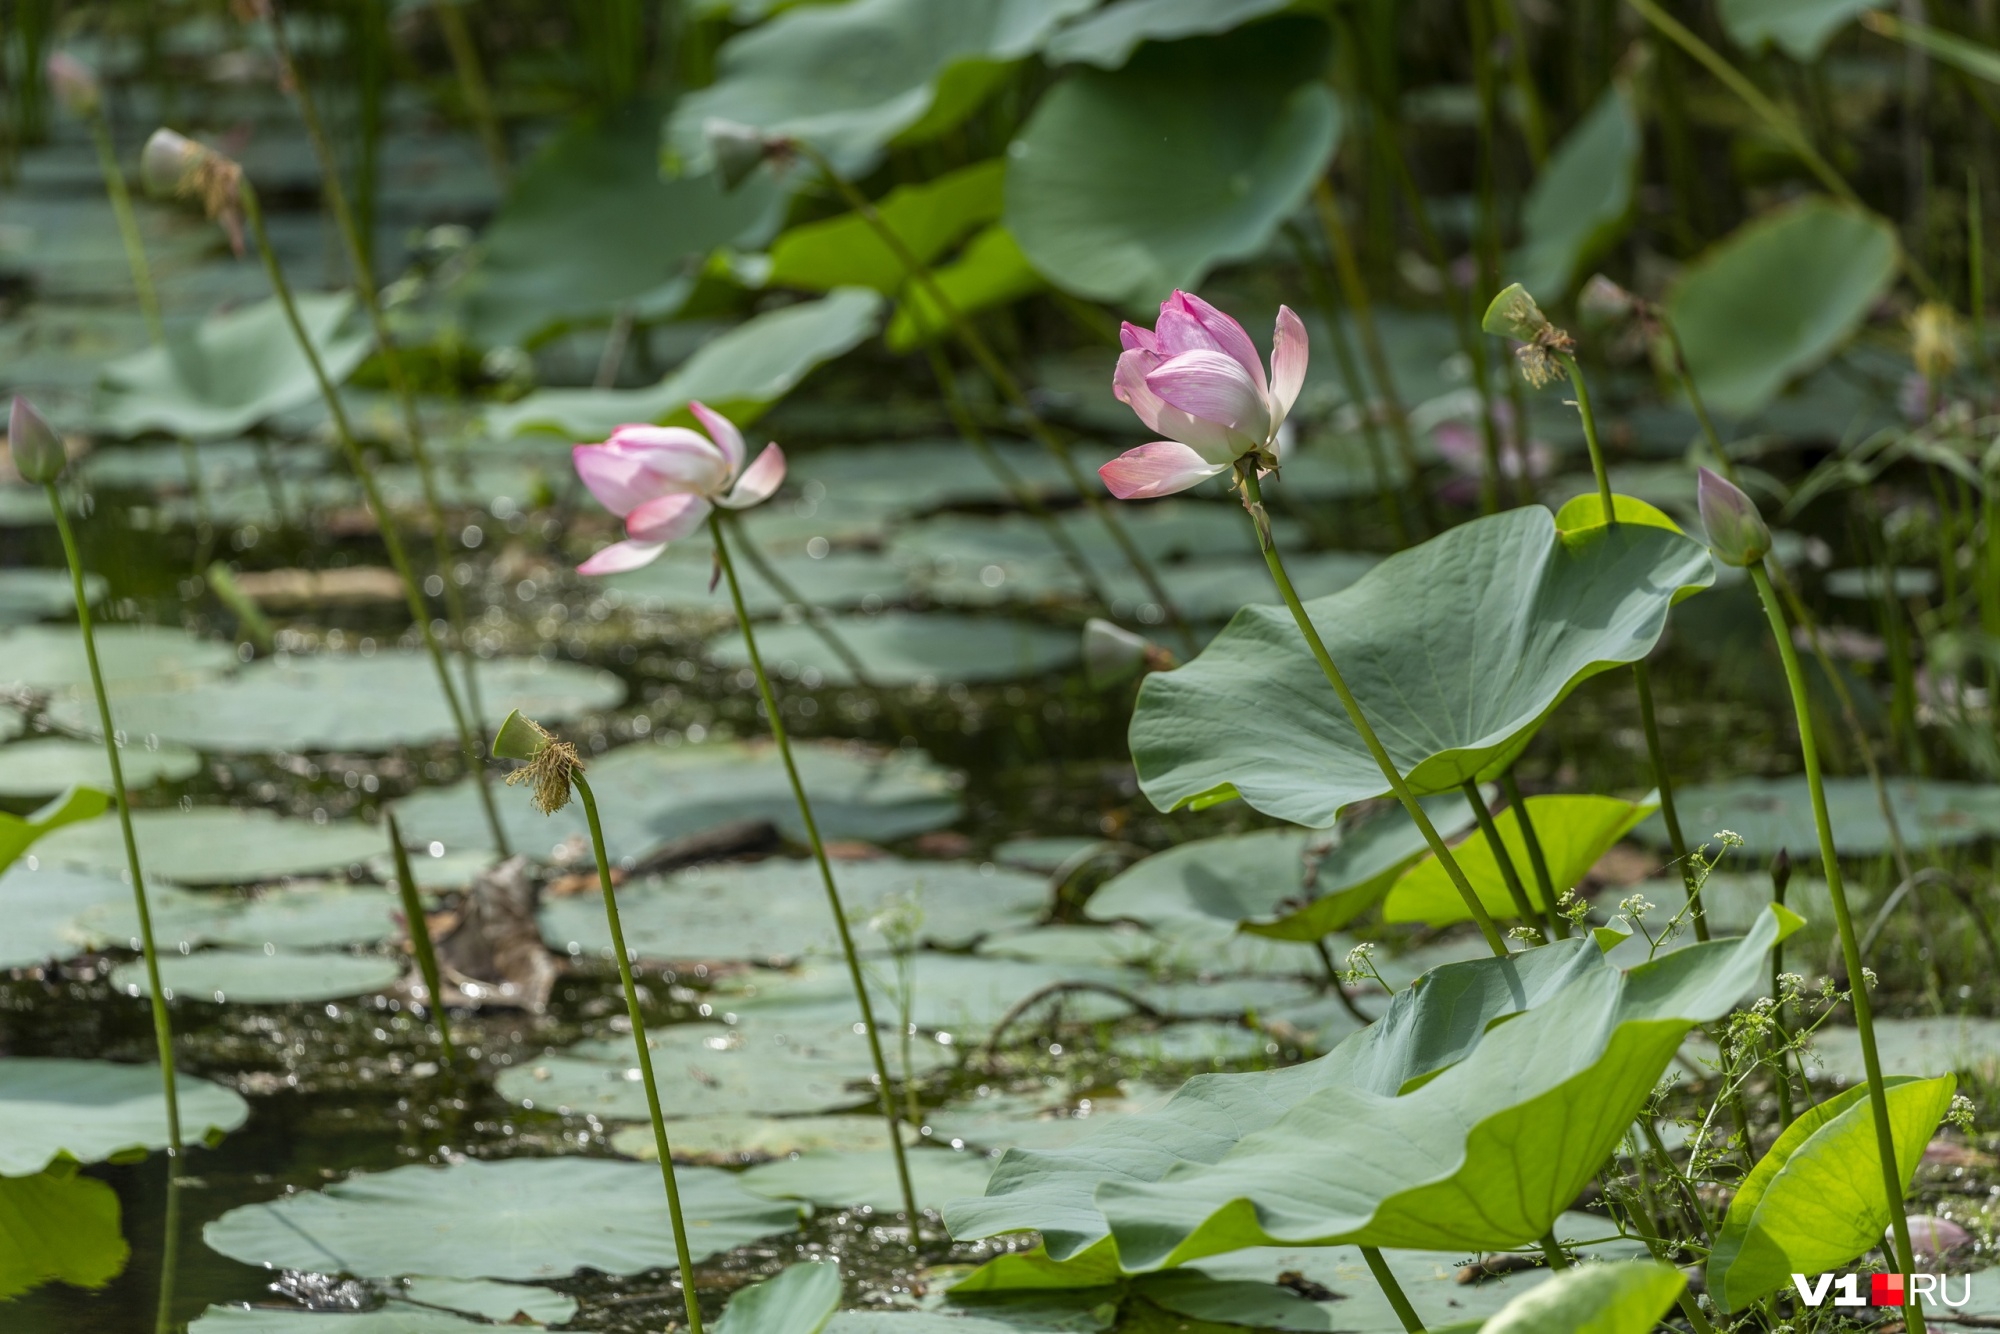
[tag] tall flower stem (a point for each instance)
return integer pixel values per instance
(399, 385)
(1385, 1279)
(420, 941)
(385, 520)
(170, 1248)
(665, 1150)
(472, 84)
(770, 698)
(1253, 495)
(163, 1033)
(1010, 388)
(1843, 920)
(1642, 677)
(1536, 857)
(1509, 873)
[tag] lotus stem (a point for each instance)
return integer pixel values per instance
(170, 1250)
(163, 1033)
(1253, 495)
(1385, 1278)
(1536, 859)
(1483, 815)
(660, 1143)
(847, 949)
(399, 385)
(1010, 388)
(1552, 1250)
(1690, 1308)
(385, 521)
(420, 941)
(1850, 947)
(472, 84)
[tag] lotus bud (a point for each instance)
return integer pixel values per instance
(74, 85)
(738, 149)
(36, 448)
(551, 765)
(1736, 531)
(1936, 342)
(1781, 875)
(173, 166)
(1604, 304)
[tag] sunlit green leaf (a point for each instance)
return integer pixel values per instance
(18, 833)
(1574, 831)
(1626, 1298)
(929, 218)
(800, 1300)
(991, 272)
(57, 1226)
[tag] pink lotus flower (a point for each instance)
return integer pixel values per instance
(1195, 378)
(664, 480)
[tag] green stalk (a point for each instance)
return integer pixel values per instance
(1552, 1250)
(384, 520)
(1010, 388)
(420, 941)
(853, 957)
(1779, 881)
(660, 1143)
(1536, 859)
(1385, 1278)
(472, 85)
(1481, 813)
(1488, 241)
(170, 1250)
(1253, 494)
(1642, 677)
(163, 1033)
(1534, 121)
(1864, 1017)
(472, 731)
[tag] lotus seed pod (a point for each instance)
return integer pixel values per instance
(36, 448)
(167, 162)
(519, 738)
(1515, 315)
(173, 166)
(737, 149)
(1737, 534)
(74, 85)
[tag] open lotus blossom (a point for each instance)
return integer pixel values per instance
(1195, 378)
(664, 480)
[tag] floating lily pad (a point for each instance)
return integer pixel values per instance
(904, 649)
(837, 581)
(12, 724)
(523, 1218)
(1201, 1042)
(215, 845)
(93, 1110)
(1123, 186)
(956, 993)
(1775, 813)
(777, 910)
(268, 976)
(232, 371)
(650, 794)
(1872, 582)
(60, 1227)
(395, 1318)
(182, 920)
(1088, 946)
(349, 702)
(1052, 1313)
(45, 766)
(40, 903)
(834, 1180)
(38, 595)
(738, 1138)
(1045, 854)
(1963, 1043)
(1004, 1120)
(762, 1065)
(1457, 650)
(921, 475)
(37, 657)
(313, 916)
(498, 1302)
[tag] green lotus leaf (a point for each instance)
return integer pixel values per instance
(59, 1227)
(48, 764)
(1774, 813)
(1582, 199)
(267, 976)
(1108, 37)
(522, 1218)
(1431, 1129)
(35, 595)
(990, 272)
(1125, 185)
(1457, 650)
(93, 1110)
(498, 1302)
(1622, 1298)
(217, 845)
(51, 657)
(1776, 297)
(1814, 1201)
(1574, 831)
(739, 373)
(590, 226)
(907, 648)
(1802, 28)
(18, 833)
(1963, 1042)
(833, 1179)
(800, 1300)
(394, 1318)
(727, 1138)
(928, 218)
(42, 906)
(232, 371)
(851, 79)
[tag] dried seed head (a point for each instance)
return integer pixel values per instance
(551, 766)
(173, 166)
(1603, 302)
(1937, 344)
(1515, 315)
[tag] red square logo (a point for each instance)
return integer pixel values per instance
(1886, 1289)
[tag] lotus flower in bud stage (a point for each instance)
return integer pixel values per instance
(74, 85)
(1736, 531)
(664, 480)
(173, 166)
(36, 449)
(739, 149)
(1195, 377)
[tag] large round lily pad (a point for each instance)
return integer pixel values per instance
(836, 1180)
(51, 657)
(394, 1318)
(751, 1138)
(41, 904)
(959, 994)
(777, 909)
(349, 702)
(310, 916)
(215, 845)
(44, 766)
(1775, 813)
(904, 649)
(839, 580)
(93, 1110)
(524, 1218)
(763, 1066)
(34, 595)
(1457, 650)
(268, 976)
